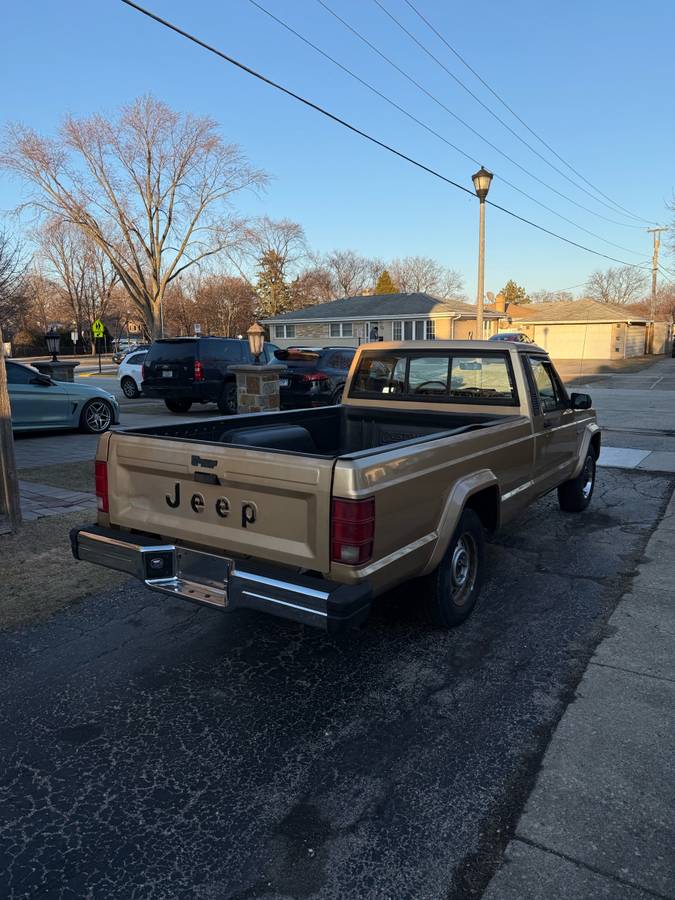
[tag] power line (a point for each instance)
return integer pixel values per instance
(431, 130)
(454, 115)
(511, 160)
(355, 130)
(515, 114)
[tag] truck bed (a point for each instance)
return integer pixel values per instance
(329, 433)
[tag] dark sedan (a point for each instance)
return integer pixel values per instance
(314, 377)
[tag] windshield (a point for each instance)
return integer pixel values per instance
(435, 377)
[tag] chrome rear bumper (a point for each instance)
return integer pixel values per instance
(224, 583)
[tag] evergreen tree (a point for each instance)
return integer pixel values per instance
(514, 293)
(384, 284)
(272, 290)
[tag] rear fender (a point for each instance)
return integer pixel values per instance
(461, 492)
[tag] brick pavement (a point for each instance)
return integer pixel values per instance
(41, 500)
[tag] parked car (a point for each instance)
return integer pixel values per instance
(516, 336)
(310, 514)
(130, 373)
(186, 370)
(315, 377)
(39, 402)
(120, 353)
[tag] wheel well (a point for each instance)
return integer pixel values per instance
(595, 445)
(485, 504)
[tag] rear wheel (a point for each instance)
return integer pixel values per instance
(129, 388)
(228, 399)
(178, 406)
(575, 495)
(337, 395)
(452, 590)
(97, 416)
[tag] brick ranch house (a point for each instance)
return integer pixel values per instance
(390, 317)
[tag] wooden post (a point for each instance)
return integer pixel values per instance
(10, 505)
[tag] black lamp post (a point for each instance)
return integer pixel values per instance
(256, 341)
(53, 340)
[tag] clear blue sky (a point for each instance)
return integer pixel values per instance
(595, 79)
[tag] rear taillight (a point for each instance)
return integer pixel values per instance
(313, 376)
(101, 476)
(352, 531)
(199, 371)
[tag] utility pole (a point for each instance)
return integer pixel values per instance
(655, 266)
(10, 506)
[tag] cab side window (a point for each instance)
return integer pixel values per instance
(551, 396)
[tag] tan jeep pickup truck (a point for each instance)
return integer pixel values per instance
(309, 514)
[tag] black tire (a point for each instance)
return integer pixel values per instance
(227, 402)
(129, 388)
(575, 495)
(337, 395)
(178, 406)
(97, 416)
(451, 591)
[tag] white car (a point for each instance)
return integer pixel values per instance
(130, 374)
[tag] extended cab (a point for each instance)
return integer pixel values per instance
(310, 514)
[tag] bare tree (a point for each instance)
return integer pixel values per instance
(151, 188)
(313, 285)
(544, 296)
(84, 273)
(422, 274)
(351, 274)
(13, 273)
(620, 284)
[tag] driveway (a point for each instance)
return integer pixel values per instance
(151, 749)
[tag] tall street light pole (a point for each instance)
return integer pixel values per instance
(481, 182)
(655, 267)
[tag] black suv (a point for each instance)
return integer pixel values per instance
(315, 376)
(187, 370)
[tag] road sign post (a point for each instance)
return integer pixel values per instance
(98, 330)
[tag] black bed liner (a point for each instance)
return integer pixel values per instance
(334, 431)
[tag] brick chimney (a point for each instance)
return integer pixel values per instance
(500, 303)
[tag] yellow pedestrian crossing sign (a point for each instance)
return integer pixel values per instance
(98, 328)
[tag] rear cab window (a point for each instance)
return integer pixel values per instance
(441, 377)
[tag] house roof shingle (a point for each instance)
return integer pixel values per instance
(573, 311)
(380, 306)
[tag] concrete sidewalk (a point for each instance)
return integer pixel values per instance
(600, 822)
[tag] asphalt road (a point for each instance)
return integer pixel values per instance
(155, 750)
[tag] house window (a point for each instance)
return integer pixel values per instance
(284, 331)
(341, 329)
(414, 330)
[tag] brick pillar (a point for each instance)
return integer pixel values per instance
(257, 388)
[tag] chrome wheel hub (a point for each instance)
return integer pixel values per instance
(98, 415)
(587, 478)
(463, 568)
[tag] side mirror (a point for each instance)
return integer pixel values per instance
(581, 401)
(43, 380)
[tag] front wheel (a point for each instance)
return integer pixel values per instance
(575, 495)
(97, 416)
(178, 406)
(336, 399)
(452, 590)
(129, 388)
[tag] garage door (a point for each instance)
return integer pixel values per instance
(590, 341)
(635, 340)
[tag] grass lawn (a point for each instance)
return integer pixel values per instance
(77, 476)
(39, 574)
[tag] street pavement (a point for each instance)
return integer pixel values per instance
(152, 749)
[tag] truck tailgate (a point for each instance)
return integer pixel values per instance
(248, 502)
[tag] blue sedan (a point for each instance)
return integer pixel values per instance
(39, 402)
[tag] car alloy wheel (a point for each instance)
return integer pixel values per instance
(98, 416)
(129, 388)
